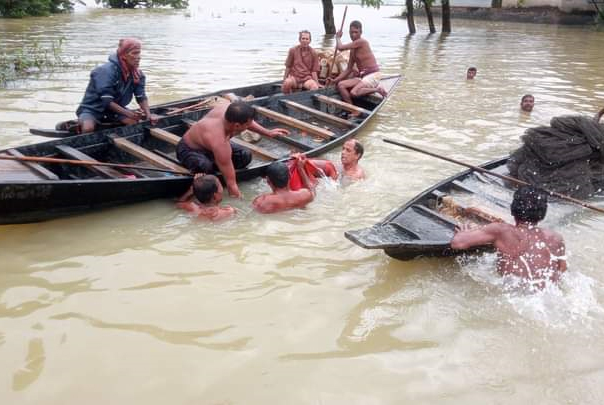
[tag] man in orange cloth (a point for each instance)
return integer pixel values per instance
(111, 88)
(301, 66)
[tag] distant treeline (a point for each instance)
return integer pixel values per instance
(24, 8)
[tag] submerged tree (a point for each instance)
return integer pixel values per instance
(24, 8)
(446, 16)
(144, 3)
(410, 18)
(328, 21)
(428, 6)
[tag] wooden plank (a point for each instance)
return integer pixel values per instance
(104, 171)
(313, 129)
(36, 167)
(253, 148)
(319, 114)
(144, 154)
(165, 136)
(341, 104)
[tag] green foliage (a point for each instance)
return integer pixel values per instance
(31, 59)
(143, 3)
(372, 3)
(24, 8)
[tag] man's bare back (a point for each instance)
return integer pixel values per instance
(525, 250)
(282, 200)
(209, 132)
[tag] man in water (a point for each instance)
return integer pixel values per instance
(366, 79)
(301, 66)
(282, 198)
(527, 103)
(204, 197)
(525, 250)
(111, 88)
(471, 73)
(206, 146)
(352, 151)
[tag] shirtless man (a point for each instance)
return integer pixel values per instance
(282, 198)
(471, 73)
(301, 66)
(206, 146)
(527, 103)
(204, 197)
(366, 79)
(352, 151)
(525, 250)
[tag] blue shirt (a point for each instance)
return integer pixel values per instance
(106, 85)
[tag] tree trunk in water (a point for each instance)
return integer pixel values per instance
(429, 15)
(410, 20)
(328, 22)
(496, 3)
(446, 16)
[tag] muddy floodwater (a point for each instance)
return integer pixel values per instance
(142, 304)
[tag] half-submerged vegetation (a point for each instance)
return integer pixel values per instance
(30, 59)
(26, 8)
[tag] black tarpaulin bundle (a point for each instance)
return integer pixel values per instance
(566, 157)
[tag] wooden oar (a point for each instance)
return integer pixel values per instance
(335, 52)
(501, 176)
(41, 159)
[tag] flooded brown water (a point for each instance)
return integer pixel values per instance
(144, 305)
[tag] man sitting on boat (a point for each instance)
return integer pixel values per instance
(204, 197)
(301, 66)
(534, 254)
(283, 198)
(366, 78)
(206, 146)
(111, 88)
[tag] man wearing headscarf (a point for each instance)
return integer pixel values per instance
(111, 88)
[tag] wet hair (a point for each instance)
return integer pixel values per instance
(357, 24)
(526, 96)
(358, 148)
(205, 187)
(304, 32)
(529, 205)
(239, 113)
(278, 174)
(472, 69)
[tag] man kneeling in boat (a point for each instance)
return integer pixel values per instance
(111, 88)
(534, 254)
(282, 197)
(206, 146)
(204, 197)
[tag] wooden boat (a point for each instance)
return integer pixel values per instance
(425, 225)
(36, 191)
(71, 127)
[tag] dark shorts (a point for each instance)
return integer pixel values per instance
(202, 161)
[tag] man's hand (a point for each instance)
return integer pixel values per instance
(234, 191)
(154, 118)
(135, 115)
(278, 132)
(339, 34)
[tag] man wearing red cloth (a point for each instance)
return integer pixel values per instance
(301, 66)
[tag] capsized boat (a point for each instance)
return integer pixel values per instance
(34, 191)
(425, 225)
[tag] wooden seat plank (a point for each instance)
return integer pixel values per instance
(319, 114)
(253, 148)
(341, 104)
(165, 136)
(313, 129)
(144, 154)
(104, 171)
(40, 170)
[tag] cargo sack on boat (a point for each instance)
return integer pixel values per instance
(326, 60)
(566, 157)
